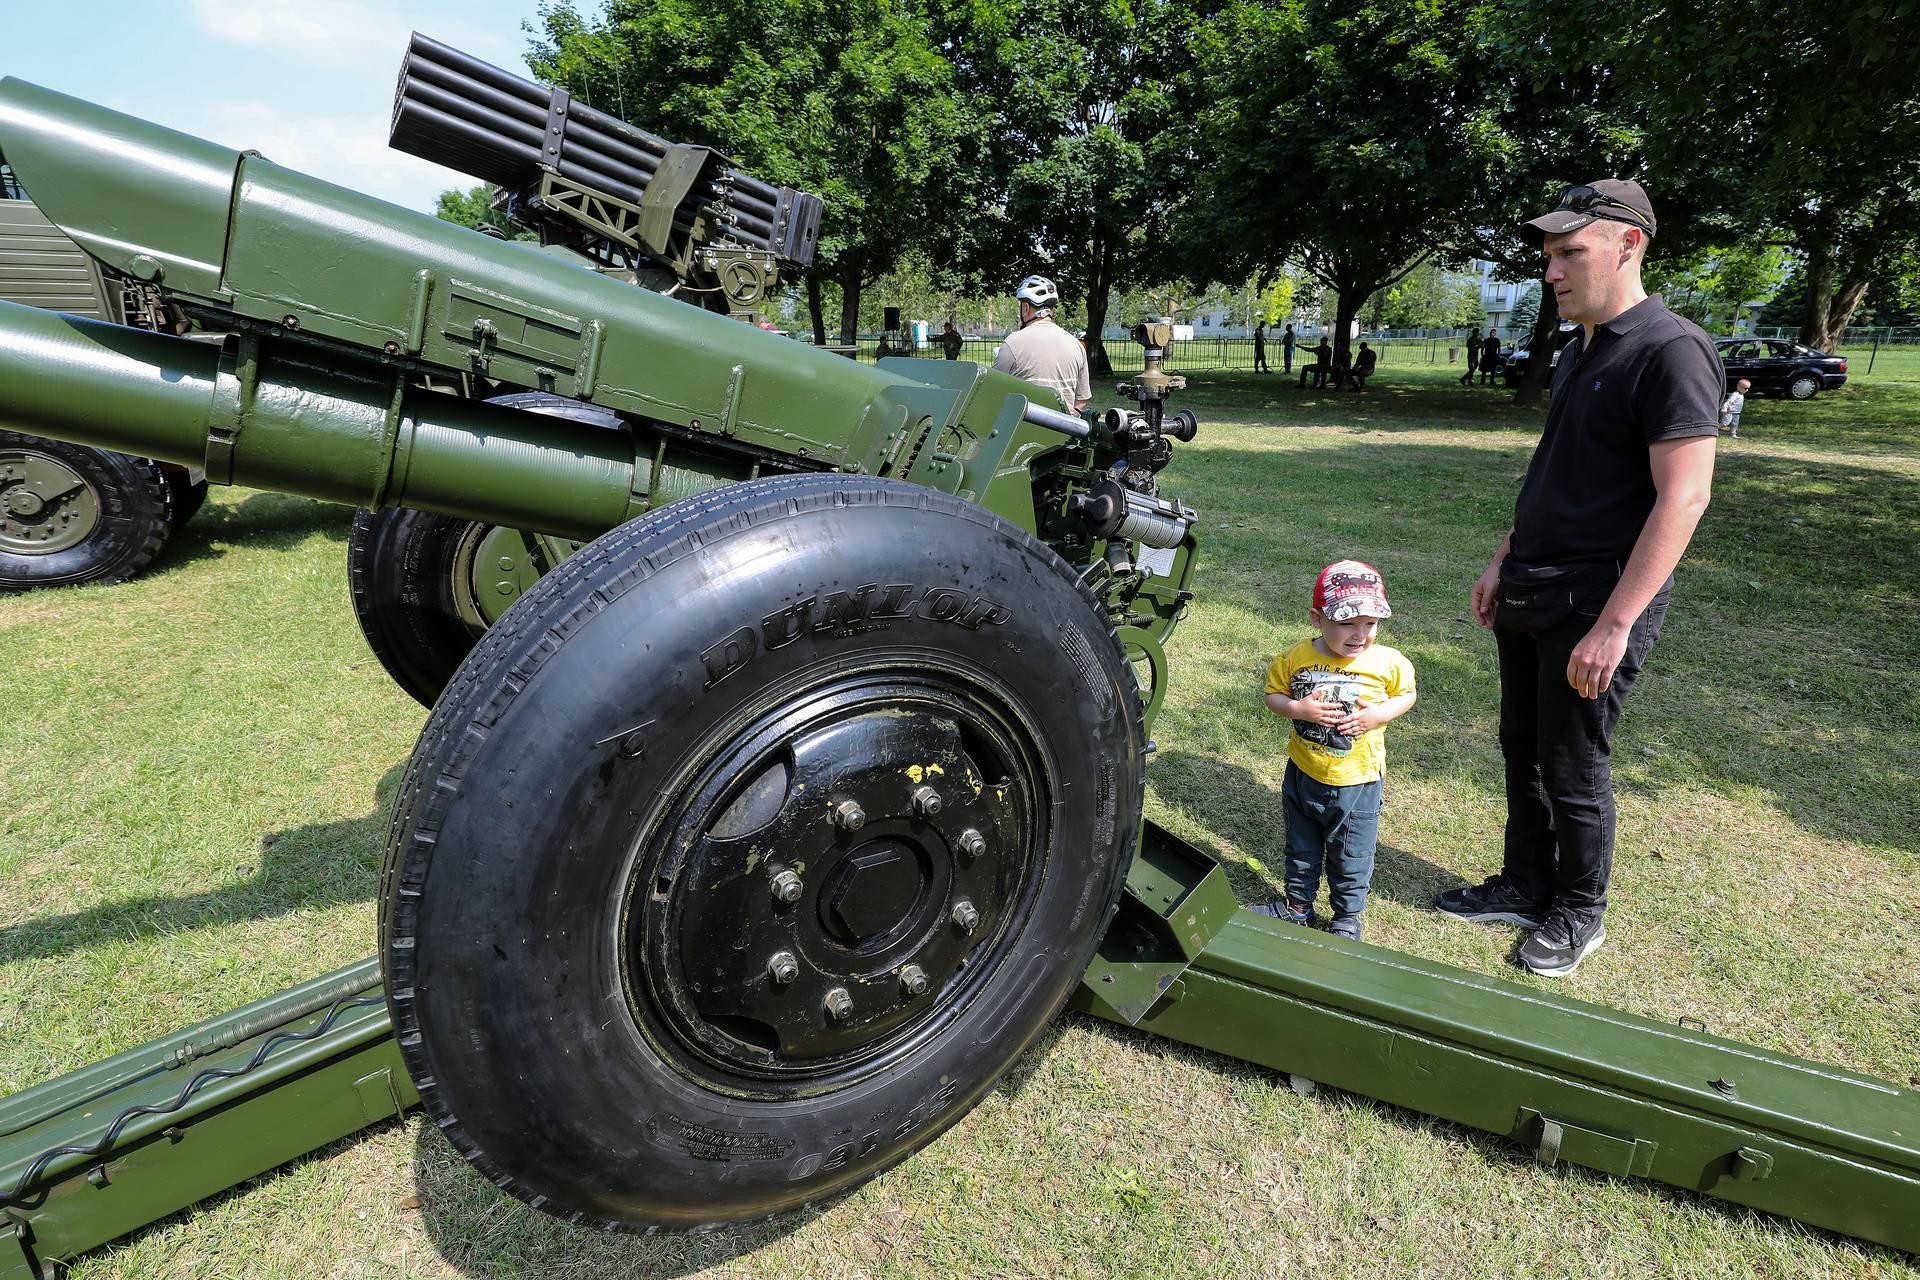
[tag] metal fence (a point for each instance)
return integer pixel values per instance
(1198, 354)
(1871, 352)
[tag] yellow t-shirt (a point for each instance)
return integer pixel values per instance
(1364, 681)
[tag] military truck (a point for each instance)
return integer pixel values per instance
(71, 514)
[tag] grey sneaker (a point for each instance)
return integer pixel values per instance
(1557, 947)
(1491, 899)
(1345, 927)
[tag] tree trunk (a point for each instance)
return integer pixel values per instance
(1845, 302)
(849, 270)
(1546, 333)
(1099, 285)
(815, 310)
(1813, 328)
(1344, 311)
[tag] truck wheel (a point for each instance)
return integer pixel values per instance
(1804, 386)
(408, 572)
(752, 846)
(412, 575)
(188, 496)
(70, 514)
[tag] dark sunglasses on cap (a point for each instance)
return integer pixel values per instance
(1585, 199)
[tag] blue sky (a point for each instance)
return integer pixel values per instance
(308, 84)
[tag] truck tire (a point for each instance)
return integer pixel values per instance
(189, 495)
(410, 575)
(70, 514)
(404, 569)
(752, 846)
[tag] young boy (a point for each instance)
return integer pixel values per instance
(1340, 689)
(1730, 411)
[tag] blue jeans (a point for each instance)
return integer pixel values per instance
(1332, 826)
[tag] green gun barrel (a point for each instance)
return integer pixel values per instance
(310, 430)
(347, 307)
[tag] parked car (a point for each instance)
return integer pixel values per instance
(1513, 363)
(1780, 368)
(1774, 366)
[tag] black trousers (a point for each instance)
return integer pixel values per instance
(1558, 748)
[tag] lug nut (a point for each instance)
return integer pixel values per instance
(849, 815)
(913, 981)
(786, 886)
(972, 843)
(839, 1004)
(783, 968)
(926, 801)
(964, 915)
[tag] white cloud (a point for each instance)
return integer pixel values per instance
(343, 33)
(336, 54)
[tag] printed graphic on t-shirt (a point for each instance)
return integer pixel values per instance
(1335, 687)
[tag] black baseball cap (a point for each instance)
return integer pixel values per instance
(1608, 200)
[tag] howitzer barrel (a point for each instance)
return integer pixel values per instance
(320, 432)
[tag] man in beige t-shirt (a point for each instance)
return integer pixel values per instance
(1041, 351)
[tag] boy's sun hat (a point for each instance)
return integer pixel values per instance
(1349, 589)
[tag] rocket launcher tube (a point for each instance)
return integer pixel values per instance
(322, 432)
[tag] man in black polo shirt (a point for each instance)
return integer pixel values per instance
(1577, 591)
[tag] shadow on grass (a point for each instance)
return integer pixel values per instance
(481, 1231)
(1398, 874)
(1492, 1149)
(271, 521)
(320, 865)
(1393, 401)
(1759, 680)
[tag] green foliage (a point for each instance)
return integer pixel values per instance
(1076, 96)
(1429, 297)
(1711, 286)
(849, 99)
(1276, 297)
(471, 209)
(1526, 309)
(1341, 137)
(1805, 132)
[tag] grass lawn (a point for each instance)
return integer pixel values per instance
(192, 815)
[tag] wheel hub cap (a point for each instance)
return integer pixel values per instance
(45, 506)
(773, 940)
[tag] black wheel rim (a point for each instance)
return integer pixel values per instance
(778, 944)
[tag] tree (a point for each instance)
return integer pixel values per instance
(1549, 117)
(1276, 294)
(849, 99)
(1712, 286)
(1076, 97)
(1806, 134)
(1339, 137)
(1526, 312)
(1429, 297)
(472, 209)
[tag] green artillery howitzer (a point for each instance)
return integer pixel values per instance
(753, 842)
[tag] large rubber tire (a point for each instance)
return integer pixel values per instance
(400, 574)
(402, 567)
(582, 880)
(134, 516)
(1803, 386)
(188, 496)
